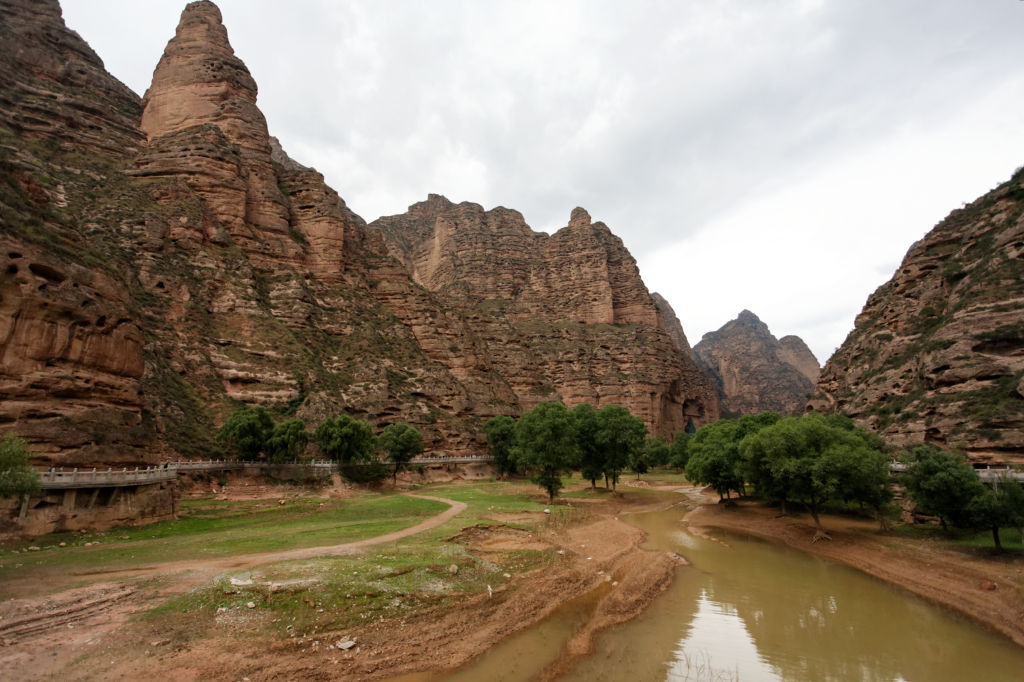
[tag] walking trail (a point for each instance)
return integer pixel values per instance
(39, 635)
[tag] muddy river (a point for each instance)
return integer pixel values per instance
(749, 610)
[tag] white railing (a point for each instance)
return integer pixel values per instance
(992, 475)
(987, 475)
(452, 459)
(96, 478)
(111, 477)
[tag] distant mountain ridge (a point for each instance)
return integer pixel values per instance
(755, 372)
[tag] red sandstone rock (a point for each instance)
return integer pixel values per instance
(937, 354)
(755, 372)
(196, 263)
(562, 317)
(672, 325)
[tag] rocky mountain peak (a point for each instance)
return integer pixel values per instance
(203, 125)
(672, 325)
(434, 205)
(579, 218)
(794, 351)
(754, 371)
(569, 305)
(200, 80)
(280, 156)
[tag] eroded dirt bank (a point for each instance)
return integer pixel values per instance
(108, 641)
(988, 589)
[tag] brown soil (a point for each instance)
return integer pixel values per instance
(106, 643)
(988, 588)
(88, 633)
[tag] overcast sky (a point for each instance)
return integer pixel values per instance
(774, 155)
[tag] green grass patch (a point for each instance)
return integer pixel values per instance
(976, 540)
(210, 529)
(399, 579)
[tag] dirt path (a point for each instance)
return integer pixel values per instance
(202, 567)
(39, 636)
(989, 589)
(62, 640)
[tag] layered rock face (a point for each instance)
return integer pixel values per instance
(563, 317)
(673, 326)
(54, 85)
(937, 354)
(164, 260)
(755, 372)
(70, 342)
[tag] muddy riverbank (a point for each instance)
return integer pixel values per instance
(989, 589)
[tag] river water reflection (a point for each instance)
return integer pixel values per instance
(749, 610)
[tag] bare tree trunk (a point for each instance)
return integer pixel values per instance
(883, 523)
(820, 534)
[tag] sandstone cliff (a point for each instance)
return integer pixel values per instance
(673, 326)
(563, 317)
(937, 354)
(754, 371)
(165, 260)
(70, 339)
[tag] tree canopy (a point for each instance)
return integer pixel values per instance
(501, 437)
(546, 445)
(247, 431)
(620, 435)
(816, 458)
(999, 506)
(345, 439)
(714, 457)
(287, 441)
(679, 451)
(941, 483)
(657, 451)
(586, 425)
(944, 484)
(17, 477)
(402, 442)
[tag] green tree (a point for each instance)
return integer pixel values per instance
(815, 458)
(941, 483)
(17, 477)
(999, 506)
(501, 437)
(657, 451)
(345, 439)
(247, 431)
(287, 441)
(402, 442)
(862, 468)
(679, 451)
(639, 462)
(591, 456)
(714, 457)
(620, 435)
(546, 445)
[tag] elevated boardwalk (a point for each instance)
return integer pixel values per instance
(63, 479)
(987, 475)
